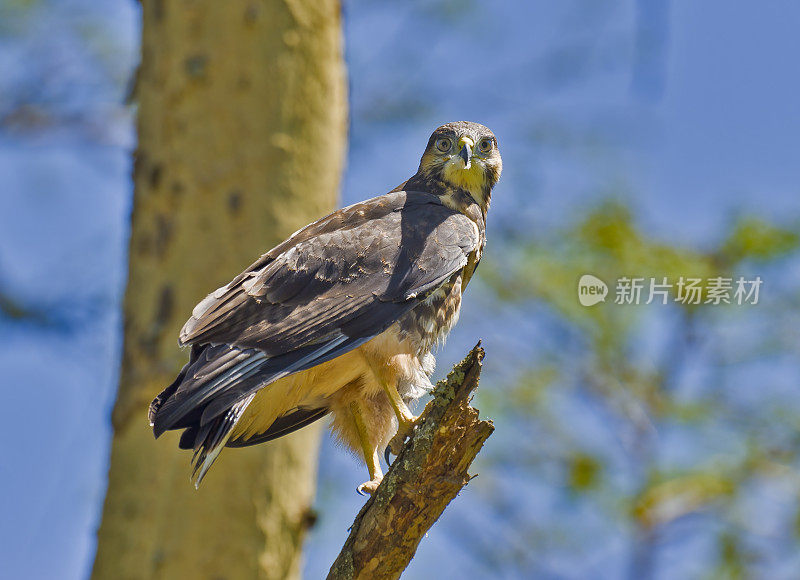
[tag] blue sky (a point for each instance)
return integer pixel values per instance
(687, 110)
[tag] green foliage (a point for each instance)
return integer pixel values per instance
(584, 472)
(752, 238)
(15, 15)
(595, 357)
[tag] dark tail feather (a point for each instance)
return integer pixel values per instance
(162, 397)
(212, 391)
(284, 425)
(211, 438)
(207, 441)
(207, 367)
(214, 372)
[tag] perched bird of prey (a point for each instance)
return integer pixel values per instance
(341, 317)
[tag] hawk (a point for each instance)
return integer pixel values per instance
(341, 317)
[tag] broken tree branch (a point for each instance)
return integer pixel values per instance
(429, 472)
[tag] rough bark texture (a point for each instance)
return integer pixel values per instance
(242, 129)
(428, 474)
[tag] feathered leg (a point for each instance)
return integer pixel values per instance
(405, 418)
(369, 450)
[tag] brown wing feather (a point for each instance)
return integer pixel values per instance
(334, 271)
(331, 287)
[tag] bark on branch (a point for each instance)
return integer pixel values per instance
(428, 474)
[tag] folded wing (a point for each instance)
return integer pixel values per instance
(328, 289)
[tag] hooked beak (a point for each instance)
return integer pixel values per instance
(466, 151)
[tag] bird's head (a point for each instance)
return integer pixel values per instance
(464, 155)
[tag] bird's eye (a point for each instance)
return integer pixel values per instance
(443, 144)
(485, 145)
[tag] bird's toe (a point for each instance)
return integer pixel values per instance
(369, 487)
(404, 431)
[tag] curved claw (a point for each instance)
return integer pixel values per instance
(404, 430)
(396, 443)
(386, 455)
(368, 487)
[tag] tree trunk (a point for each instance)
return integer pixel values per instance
(242, 129)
